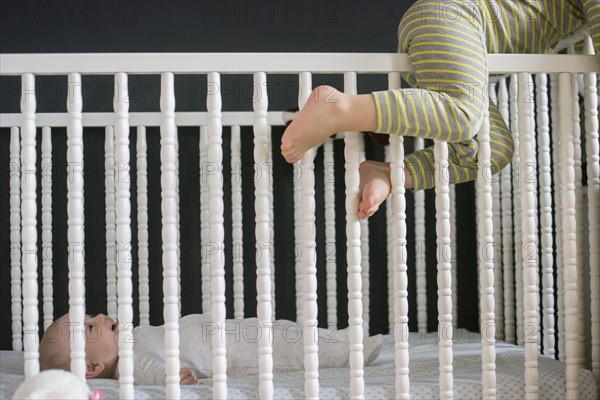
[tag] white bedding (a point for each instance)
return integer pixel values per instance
(379, 376)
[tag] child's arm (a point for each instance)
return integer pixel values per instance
(150, 370)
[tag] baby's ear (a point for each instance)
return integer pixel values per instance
(93, 369)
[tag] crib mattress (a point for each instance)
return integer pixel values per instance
(379, 376)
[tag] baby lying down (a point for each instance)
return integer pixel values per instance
(195, 333)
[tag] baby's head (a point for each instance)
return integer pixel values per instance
(101, 346)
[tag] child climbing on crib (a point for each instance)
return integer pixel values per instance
(447, 43)
(196, 332)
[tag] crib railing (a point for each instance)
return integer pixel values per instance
(567, 181)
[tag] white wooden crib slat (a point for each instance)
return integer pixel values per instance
(453, 261)
(545, 198)
(556, 177)
(123, 236)
(110, 218)
(393, 83)
(271, 215)
(485, 230)
(308, 256)
(507, 230)
(529, 250)
(518, 171)
(420, 253)
(15, 240)
(444, 266)
(262, 206)
(578, 214)
(75, 232)
(364, 252)
(497, 242)
(390, 252)
(204, 219)
(47, 257)
(236, 223)
(298, 270)
(142, 223)
(29, 226)
(330, 244)
(399, 255)
(569, 236)
(593, 186)
(170, 252)
(177, 216)
(354, 259)
(217, 233)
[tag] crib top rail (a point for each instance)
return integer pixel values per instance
(281, 63)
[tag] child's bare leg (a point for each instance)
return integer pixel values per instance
(327, 112)
(375, 186)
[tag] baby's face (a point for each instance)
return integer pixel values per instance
(101, 337)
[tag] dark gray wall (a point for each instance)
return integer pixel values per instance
(206, 26)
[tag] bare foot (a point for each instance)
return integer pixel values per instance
(314, 123)
(375, 186)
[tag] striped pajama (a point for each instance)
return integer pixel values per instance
(447, 43)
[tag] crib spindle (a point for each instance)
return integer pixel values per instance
(364, 251)
(420, 253)
(271, 216)
(168, 159)
(556, 178)
(390, 258)
(330, 247)
(517, 189)
(497, 243)
(75, 232)
(393, 83)
(262, 205)
(15, 240)
(297, 245)
(453, 268)
(507, 230)
(46, 183)
(529, 250)
(29, 226)
(593, 187)
(217, 233)
(123, 236)
(178, 225)
(309, 279)
(571, 318)
(236, 223)
(581, 307)
(353, 240)
(579, 221)
(486, 261)
(110, 221)
(545, 198)
(400, 267)
(444, 256)
(142, 222)
(204, 219)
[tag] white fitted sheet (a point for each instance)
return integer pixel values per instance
(379, 376)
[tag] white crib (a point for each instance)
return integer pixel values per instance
(513, 197)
